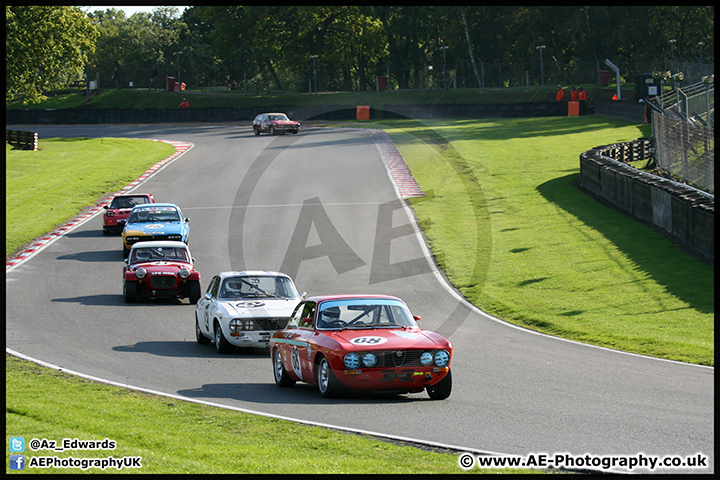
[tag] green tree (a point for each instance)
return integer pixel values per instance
(46, 47)
(136, 43)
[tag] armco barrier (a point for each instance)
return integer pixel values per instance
(684, 214)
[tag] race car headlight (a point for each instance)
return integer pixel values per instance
(442, 358)
(352, 361)
(184, 273)
(426, 359)
(174, 237)
(248, 324)
(235, 325)
(140, 272)
(133, 238)
(369, 360)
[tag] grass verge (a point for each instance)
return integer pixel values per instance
(522, 243)
(173, 436)
(47, 187)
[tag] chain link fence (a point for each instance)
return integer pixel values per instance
(683, 123)
(685, 151)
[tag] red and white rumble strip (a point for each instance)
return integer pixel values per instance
(180, 148)
(398, 169)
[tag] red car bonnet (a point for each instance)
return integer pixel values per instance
(383, 339)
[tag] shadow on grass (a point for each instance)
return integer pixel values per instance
(682, 275)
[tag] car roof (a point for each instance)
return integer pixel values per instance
(160, 243)
(249, 273)
(352, 296)
(155, 206)
(133, 195)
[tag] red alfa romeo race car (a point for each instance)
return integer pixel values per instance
(360, 343)
(273, 123)
(119, 209)
(160, 269)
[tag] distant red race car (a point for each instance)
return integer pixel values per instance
(360, 343)
(273, 123)
(119, 209)
(160, 269)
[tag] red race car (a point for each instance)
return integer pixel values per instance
(119, 209)
(360, 343)
(160, 269)
(273, 123)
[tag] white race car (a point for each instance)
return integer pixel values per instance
(244, 309)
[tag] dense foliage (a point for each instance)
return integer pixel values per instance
(345, 48)
(45, 46)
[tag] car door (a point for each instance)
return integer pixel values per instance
(295, 346)
(207, 304)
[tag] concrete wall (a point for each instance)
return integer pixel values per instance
(684, 214)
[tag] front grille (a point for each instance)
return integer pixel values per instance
(398, 358)
(271, 323)
(162, 281)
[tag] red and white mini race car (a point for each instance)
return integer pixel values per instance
(160, 269)
(119, 209)
(273, 123)
(360, 342)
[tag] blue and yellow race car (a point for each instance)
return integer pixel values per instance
(155, 221)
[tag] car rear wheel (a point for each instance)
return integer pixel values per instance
(221, 344)
(328, 385)
(130, 291)
(201, 339)
(442, 389)
(282, 379)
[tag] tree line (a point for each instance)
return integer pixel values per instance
(333, 48)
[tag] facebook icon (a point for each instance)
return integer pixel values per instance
(17, 462)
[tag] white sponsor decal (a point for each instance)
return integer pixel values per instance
(368, 340)
(257, 304)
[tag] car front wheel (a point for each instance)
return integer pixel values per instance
(442, 389)
(221, 344)
(256, 130)
(194, 292)
(282, 379)
(328, 384)
(130, 291)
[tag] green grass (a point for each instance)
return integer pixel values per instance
(519, 241)
(46, 187)
(180, 437)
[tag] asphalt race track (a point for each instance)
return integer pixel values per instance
(321, 207)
